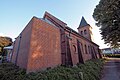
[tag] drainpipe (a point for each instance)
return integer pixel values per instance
(18, 50)
(12, 52)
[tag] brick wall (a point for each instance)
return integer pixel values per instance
(21, 47)
(45, 50)
(86, 53)
(40, 46)
(88, 34)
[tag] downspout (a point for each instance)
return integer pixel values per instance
(18, 50)
(12, 52)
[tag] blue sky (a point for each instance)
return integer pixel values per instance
(15, 14)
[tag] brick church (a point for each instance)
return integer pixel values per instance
(49, 42)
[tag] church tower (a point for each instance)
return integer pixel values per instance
(85, 29)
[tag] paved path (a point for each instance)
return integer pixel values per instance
(111, 69)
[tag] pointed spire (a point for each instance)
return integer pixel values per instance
(83, 23)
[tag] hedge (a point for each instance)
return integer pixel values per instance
(90, 70)
(112, 55)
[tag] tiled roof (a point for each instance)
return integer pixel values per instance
(64, 25)
(83, 23)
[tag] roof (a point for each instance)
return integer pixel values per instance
(81, 36)
(83, 23)
(53, 18)
(106, 49)
(8, 47)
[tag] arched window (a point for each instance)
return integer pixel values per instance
(85, 49)
(82, 48)
(85, 31)
(74, 48)
(81, 32)
(89, 49)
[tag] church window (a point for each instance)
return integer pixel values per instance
(81, 32)
(82, 48)
(85, 49)
(85, 31)
(74, 48)
(89, 49)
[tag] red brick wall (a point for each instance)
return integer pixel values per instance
(15, 49)
(23, 50)
(40, 46)
(45, 50)
(74, 54)
(89, 34)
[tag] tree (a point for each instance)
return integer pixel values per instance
(4, 41)
(107, 17)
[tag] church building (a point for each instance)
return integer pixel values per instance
(48, 42)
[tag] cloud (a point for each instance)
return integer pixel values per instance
(1, 34)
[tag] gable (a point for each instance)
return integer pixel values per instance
(54, 20)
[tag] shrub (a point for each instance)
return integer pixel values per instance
(9, 71)
(113, 55)
(90, 71)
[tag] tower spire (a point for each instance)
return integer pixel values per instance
(83, 23)
(85, 29)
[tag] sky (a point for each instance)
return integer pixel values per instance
(15, 14)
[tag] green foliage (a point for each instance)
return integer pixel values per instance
(107, 15)
(91, 71)
(8, 71)
(112, 55)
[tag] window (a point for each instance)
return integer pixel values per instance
(89, 49)
(82, 48)
(85, 31)
(74, 48)
(81, 32)
(85, 49)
